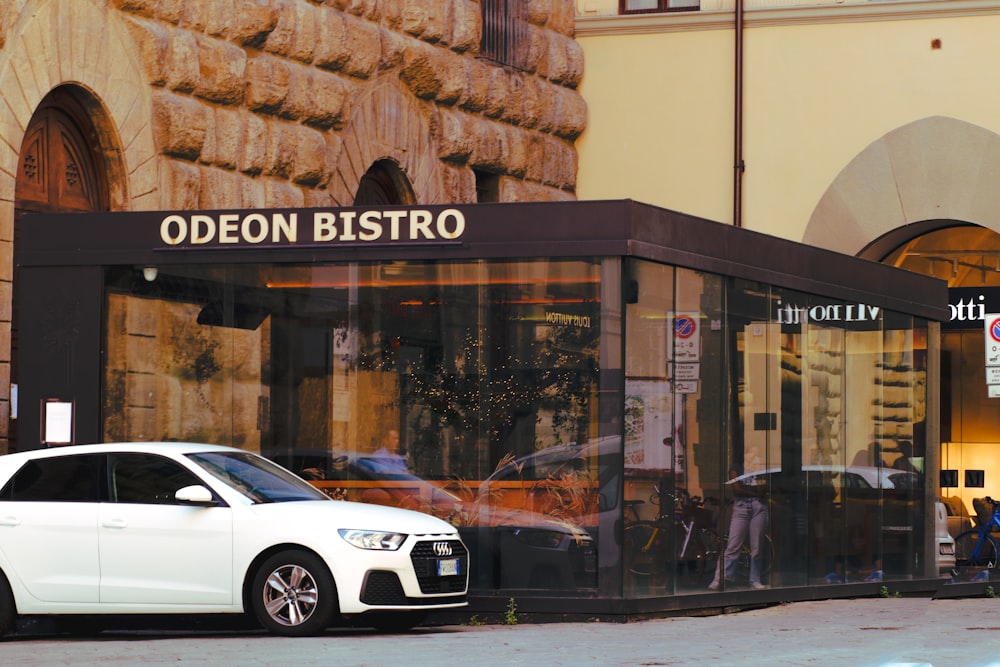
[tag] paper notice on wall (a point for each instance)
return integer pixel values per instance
(58, 426)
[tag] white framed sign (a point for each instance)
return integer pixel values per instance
(57, 422)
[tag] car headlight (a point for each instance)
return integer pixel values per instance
(373, 539)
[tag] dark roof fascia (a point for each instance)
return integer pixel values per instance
(598, 228)
(674, 238)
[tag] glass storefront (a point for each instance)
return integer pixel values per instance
(758, 431)
(623, 422)
(437, 386)
(968, 258)
(470, 390)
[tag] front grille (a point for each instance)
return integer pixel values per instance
(425, 564)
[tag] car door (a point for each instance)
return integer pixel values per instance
(48, 527)
(155, 550)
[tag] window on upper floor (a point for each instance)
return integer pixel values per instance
(650, 6)
(505, 32)
(487, 186)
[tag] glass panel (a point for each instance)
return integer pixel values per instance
(673, 367)
(468, 390)
(969, 424)
(185, 356)
(753, 456)
(901, 424)
(828, 482)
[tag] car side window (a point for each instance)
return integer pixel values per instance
(71, 479)
(853, 481)
(147, 479)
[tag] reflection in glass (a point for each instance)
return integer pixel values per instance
(401, 383)
(501, 396)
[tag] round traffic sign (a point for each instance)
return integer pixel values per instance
(684, 326)
(995, 329)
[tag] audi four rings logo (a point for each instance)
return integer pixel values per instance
(442, 549)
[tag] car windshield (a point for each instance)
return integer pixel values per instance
(256, 478)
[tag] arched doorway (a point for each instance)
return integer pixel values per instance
(384, 183)
(61, 168)
(968, 258)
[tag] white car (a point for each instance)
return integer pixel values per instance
(154, 528)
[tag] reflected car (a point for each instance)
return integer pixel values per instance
(512, 547)
(175, 528)
(583, 479)
(853, 477)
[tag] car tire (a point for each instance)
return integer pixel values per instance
(7, 608)
(293, 594)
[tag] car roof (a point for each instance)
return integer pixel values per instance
(874, 475)
(104, 448)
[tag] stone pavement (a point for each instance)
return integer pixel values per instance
(870, 632)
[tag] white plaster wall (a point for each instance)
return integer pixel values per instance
(821, 87)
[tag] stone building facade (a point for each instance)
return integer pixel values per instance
(205, 104)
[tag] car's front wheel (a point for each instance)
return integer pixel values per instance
(294, 594)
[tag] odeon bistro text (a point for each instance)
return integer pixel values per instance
(283, 227)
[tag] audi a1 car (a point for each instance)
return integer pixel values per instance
(155, 528)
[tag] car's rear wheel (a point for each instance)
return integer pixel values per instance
(7, 609)
(294, 594)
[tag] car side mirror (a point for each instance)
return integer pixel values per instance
(195, 494)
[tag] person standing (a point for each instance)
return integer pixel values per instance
(748, 522)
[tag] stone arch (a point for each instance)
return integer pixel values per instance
(389, 124)
(85, 44)
(928, 174)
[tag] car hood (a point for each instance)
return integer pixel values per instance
(346, 514)
(496, 516)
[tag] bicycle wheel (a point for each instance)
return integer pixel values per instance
(639, 548)
(973, 550)
(706, 556)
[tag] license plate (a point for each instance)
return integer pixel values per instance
(448, 567)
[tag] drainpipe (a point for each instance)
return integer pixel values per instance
(738, 166)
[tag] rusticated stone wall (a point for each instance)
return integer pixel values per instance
(288, 102)
(269, 103)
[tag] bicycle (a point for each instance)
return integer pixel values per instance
(682, 528)
(977, 548)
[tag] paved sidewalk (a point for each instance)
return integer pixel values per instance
(876, 632)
